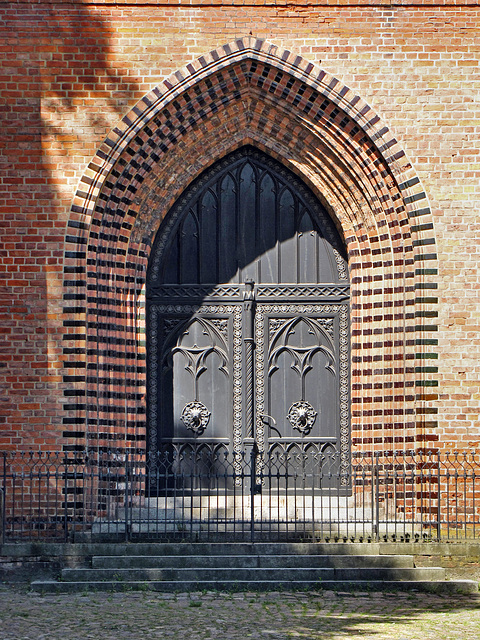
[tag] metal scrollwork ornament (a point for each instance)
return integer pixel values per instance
(301, 416)
(195, 416)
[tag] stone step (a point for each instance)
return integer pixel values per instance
(235, 548)
(221, 525)
(271, 503)
(251, 574)
(266, 512)
(251, 561)
(433, 586)
(247, 566)
(237, 529)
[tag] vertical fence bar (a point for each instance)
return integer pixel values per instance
(253, 489)
(418, 494)
(465, 509)
(74, 484)
(92, 472)
(455, 522)
(312, 494)
(427, 495)
(377, 497)
(3, 498)
(474, 511)
(28, 525)
(193, 474)
(447, 493)
(65, 493)
(398, 461)
(127, 528)
(439, 497)
(39, 498)
(353, 481)
(13, 476)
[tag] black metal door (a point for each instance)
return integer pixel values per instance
(248, 316)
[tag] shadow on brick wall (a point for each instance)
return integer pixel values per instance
(62, 92)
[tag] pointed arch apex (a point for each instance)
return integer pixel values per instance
(241, 49)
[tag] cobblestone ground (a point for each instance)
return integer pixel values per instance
(237, 616)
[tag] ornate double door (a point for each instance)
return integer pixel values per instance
(248, 316)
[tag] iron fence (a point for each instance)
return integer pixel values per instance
(205, 492)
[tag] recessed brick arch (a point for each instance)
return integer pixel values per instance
(251, 92)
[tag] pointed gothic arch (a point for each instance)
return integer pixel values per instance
(251, 92)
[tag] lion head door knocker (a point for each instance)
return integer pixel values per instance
(195, 416)
(301, 416)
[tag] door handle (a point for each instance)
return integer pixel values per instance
(262, 417)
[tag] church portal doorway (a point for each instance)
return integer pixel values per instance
(248, 320)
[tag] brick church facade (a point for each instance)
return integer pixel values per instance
(111, 109)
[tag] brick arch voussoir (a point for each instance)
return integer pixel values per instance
(116, 191)
(248, 49)
(142, 140)
(278, 84)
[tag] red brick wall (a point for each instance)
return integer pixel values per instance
(71, 71)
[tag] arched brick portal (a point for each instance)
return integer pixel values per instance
(251, 92)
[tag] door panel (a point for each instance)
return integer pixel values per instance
(302, 373)
(191, 377)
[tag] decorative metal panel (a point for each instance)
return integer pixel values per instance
(302, 375)
(194, 372)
